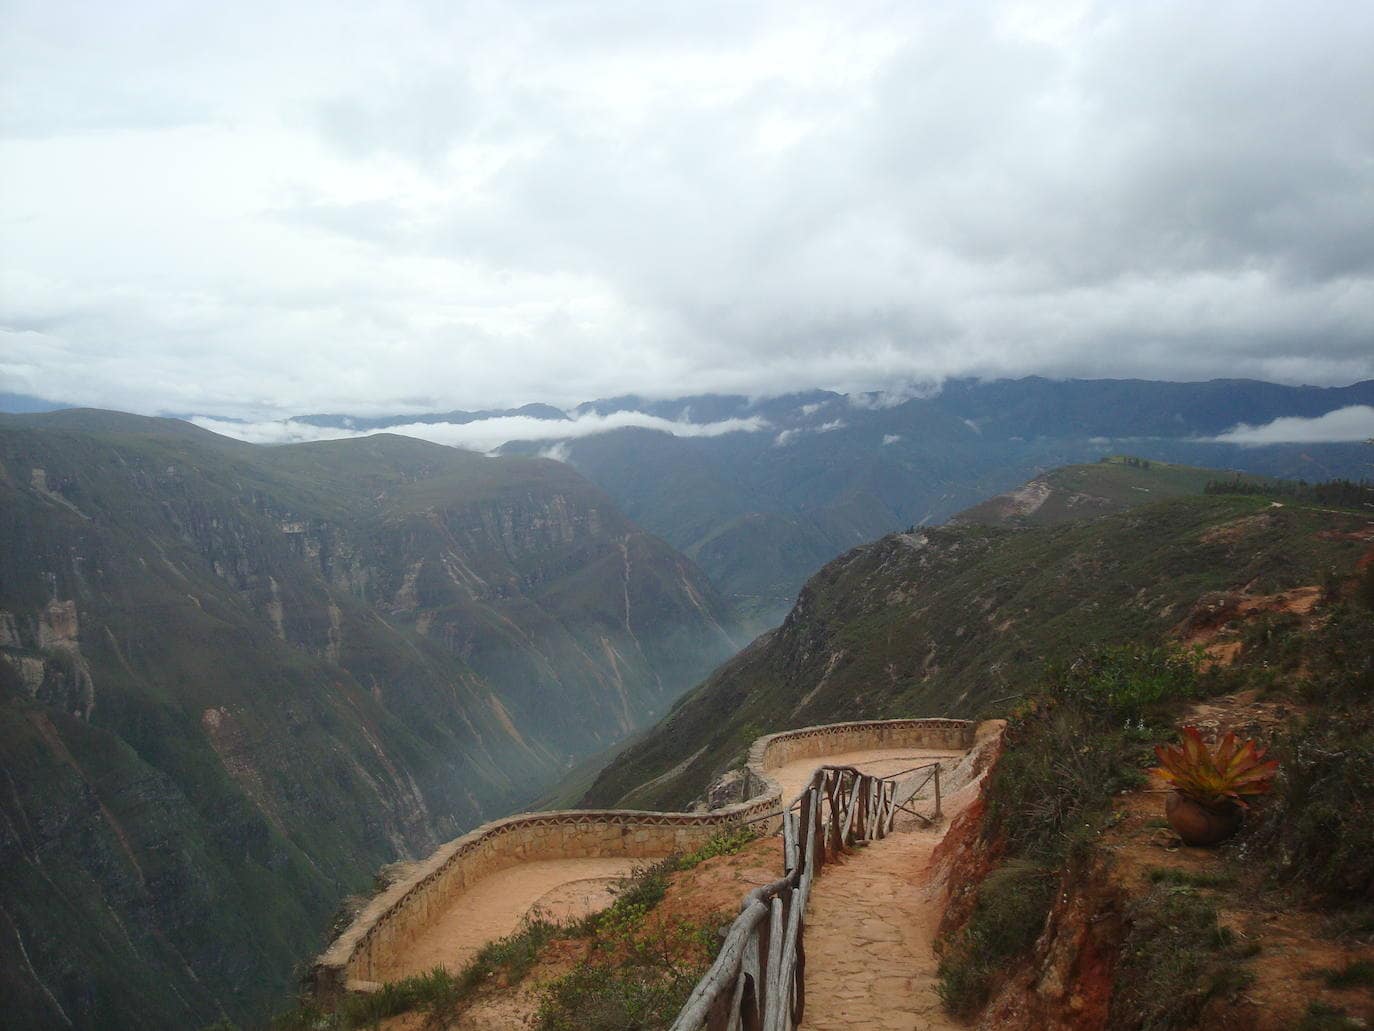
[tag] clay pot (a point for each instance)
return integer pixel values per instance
(1199, 824)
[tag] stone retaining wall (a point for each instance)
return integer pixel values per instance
(360, 956)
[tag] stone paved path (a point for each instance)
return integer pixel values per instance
(870, 925)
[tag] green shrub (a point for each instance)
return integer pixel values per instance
(726, 843)
(1008, 915)
(638, 976)
(1060, 768)
(437, 992)
(1318, 828)
(1175, 958)
(1128, 684)
(1356, 974)
(601, 997)
(635, 897)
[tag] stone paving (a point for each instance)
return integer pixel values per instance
(870, 928)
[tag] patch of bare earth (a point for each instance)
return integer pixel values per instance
(1218, 620)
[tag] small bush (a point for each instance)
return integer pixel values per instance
(599, 997)
(1190, 878)
(1009, 914)
(1319, 825)
(436, 992)
(1356, 974)
(1060, 768)
(639, 976)
(1174, 960)
(1078, 743)
(726, 843)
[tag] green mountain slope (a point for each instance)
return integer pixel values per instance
(234, 681)
(1083, 491)
(949, 621)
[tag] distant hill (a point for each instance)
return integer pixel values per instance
(952, 620)
(759, 512)
(235, 680)
(1082, 491)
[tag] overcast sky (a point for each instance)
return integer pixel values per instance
(263, 208)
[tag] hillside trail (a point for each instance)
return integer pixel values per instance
(563, 889)
(870, 932)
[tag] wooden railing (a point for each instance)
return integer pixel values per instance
(758, 981)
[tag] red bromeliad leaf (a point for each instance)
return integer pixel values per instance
(1232, 769)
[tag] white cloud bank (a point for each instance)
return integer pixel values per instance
(1343, 425)
(483, 434)
(436, 206)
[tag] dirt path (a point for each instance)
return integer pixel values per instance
(494, 907)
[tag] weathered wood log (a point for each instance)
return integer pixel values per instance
(720, 979)
(772, 992)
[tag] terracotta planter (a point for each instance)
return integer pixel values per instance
(1199, 824)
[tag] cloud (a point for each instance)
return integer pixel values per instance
(475, 206)
(483, 434)
(556, 452)
(1354, 423)
(891, 438)
(786, 437)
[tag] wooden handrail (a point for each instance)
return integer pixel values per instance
(758, 981)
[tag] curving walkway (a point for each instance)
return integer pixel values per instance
(497, 904)
(480, 887)
(567, 888)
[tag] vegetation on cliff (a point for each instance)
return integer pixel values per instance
(1063, 808)
(236, 680)
(961, 620)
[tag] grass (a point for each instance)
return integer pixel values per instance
(1175, 959)
(1321, 1016)
(1190, 878)
(599, 997)
(1079, 742)
(1355, 974)
(438, 992)
(1068, 752)
(640, 972)
(1013, 902)
(1318, 829)
(726, 843)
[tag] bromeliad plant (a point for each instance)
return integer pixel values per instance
(1217, 777)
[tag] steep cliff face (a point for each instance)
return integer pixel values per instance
(233, 681)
